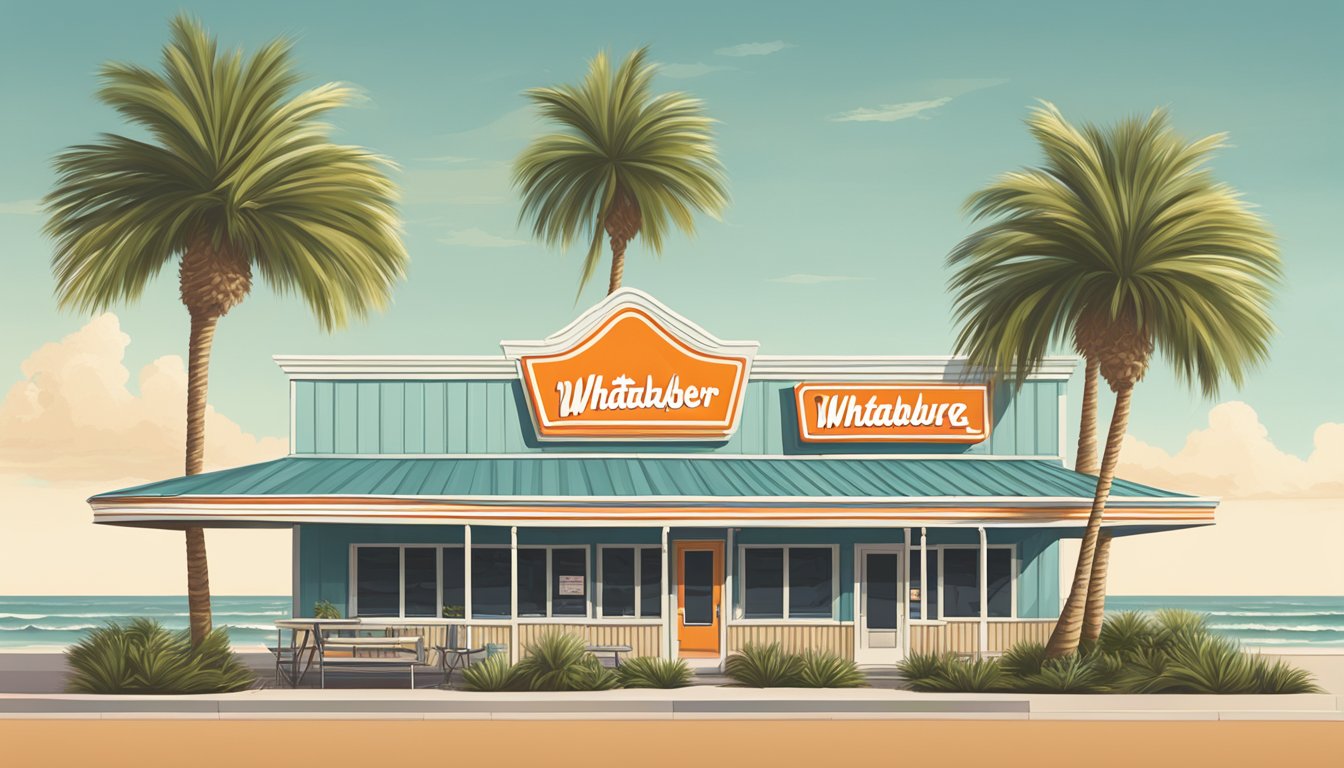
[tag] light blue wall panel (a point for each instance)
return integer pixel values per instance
(490, 417)
(305, 417)
(392, 417)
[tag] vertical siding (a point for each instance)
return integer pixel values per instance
(794, 638)
(643, 639)
(487, 417)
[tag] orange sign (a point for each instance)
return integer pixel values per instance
(892, 413)
(632, 378)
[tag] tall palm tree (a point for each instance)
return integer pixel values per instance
(238, 174)
(1125, 241)
(625, 162)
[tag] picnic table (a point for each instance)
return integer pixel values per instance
(377, 652)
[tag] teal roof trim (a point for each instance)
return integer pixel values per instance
(646, 476)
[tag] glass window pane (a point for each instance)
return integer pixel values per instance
(454, 583)
(531, 582)
(650, 582)
(931, 593)
(569, 582)
(697, 580)
(810, 582)
(763, 587)
(489, 583)
(378, 581)
(880, 591)
(1000, 583)
(961, 588)
(422, 581)
(618, 582)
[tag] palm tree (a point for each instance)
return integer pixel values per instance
(1124, 240)
(238, 174)
(625, 162)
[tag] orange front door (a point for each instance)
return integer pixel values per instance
(699, 598)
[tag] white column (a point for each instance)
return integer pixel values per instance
(984, 592)
(669, 626)
(513, 594)
(924, 574)
(727, 600)
(904, 635)
(466, 580)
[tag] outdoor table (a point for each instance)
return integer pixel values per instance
(309, 627)
(614, 650)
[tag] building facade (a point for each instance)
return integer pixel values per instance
(638, 481)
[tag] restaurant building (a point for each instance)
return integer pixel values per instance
(638, 481)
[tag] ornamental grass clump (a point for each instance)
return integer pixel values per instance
(652, 672)
(493, 674)
(145, 658)
(827, 670)
(1074, 673)
(560, 662)
(764, 666)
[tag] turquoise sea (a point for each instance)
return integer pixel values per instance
(53, 622)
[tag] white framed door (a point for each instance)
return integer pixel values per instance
(879, 610)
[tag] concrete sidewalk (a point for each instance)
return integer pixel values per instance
(700, 702)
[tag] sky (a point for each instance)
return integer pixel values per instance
(851, 136)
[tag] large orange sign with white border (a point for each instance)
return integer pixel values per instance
(633, 378)
(892, 413)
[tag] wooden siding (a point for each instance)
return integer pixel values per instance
(964, 636)
(828, 638)
(438, 417)
(643, 639)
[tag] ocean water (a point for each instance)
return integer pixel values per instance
(50, 622)
(54, 622)
(1268, 622)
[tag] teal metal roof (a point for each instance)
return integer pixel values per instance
(644, 476)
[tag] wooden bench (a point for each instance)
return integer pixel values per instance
(332, 652)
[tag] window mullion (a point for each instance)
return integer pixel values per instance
(784, 584)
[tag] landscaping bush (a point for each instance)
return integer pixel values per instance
(764, 666)
(1279, 677)
(325, 609)
(558, 661)
(493, 674)
(826, 670)
(963, 675)
(1206, 664)
(1023, 660)
(1075, 673)
(651, 672)
(1125, 633)
(145, 658)
(920, 666)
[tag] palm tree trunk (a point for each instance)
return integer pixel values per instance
(617, 264)
(198, 374)
(1068, 630)
(1087, 422)
(1095, 611)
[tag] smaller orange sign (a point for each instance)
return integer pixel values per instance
(892, 413)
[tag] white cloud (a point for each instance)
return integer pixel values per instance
(21, 207)
(73, 418)
(686, 71)
(890, 113)
(479, 238)
(1235, 458)
(804, 278)
(754, 49)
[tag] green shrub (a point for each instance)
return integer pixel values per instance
(1023, 660)
(143, 657)
(1143, 670)
(763, 666)
(921, 666)
(1172, 627)
(652, 672)
(958, 675)
(1125, 633)
(325, 609)
(495, 673)
(1074, 673)
(1278, 677)
(826, 670)
(558, 661)
(1207, 664)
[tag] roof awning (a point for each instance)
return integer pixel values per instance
(566, 490)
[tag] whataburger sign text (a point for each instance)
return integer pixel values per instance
(922, 413)
(632, 378)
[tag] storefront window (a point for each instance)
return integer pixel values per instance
(454, 583)
(808, 592)
(631, 585)
(569, 577)
(531, 582)
(420, 581)
(377, 584)
(919, 596)
(490, 583)
(961, 583)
